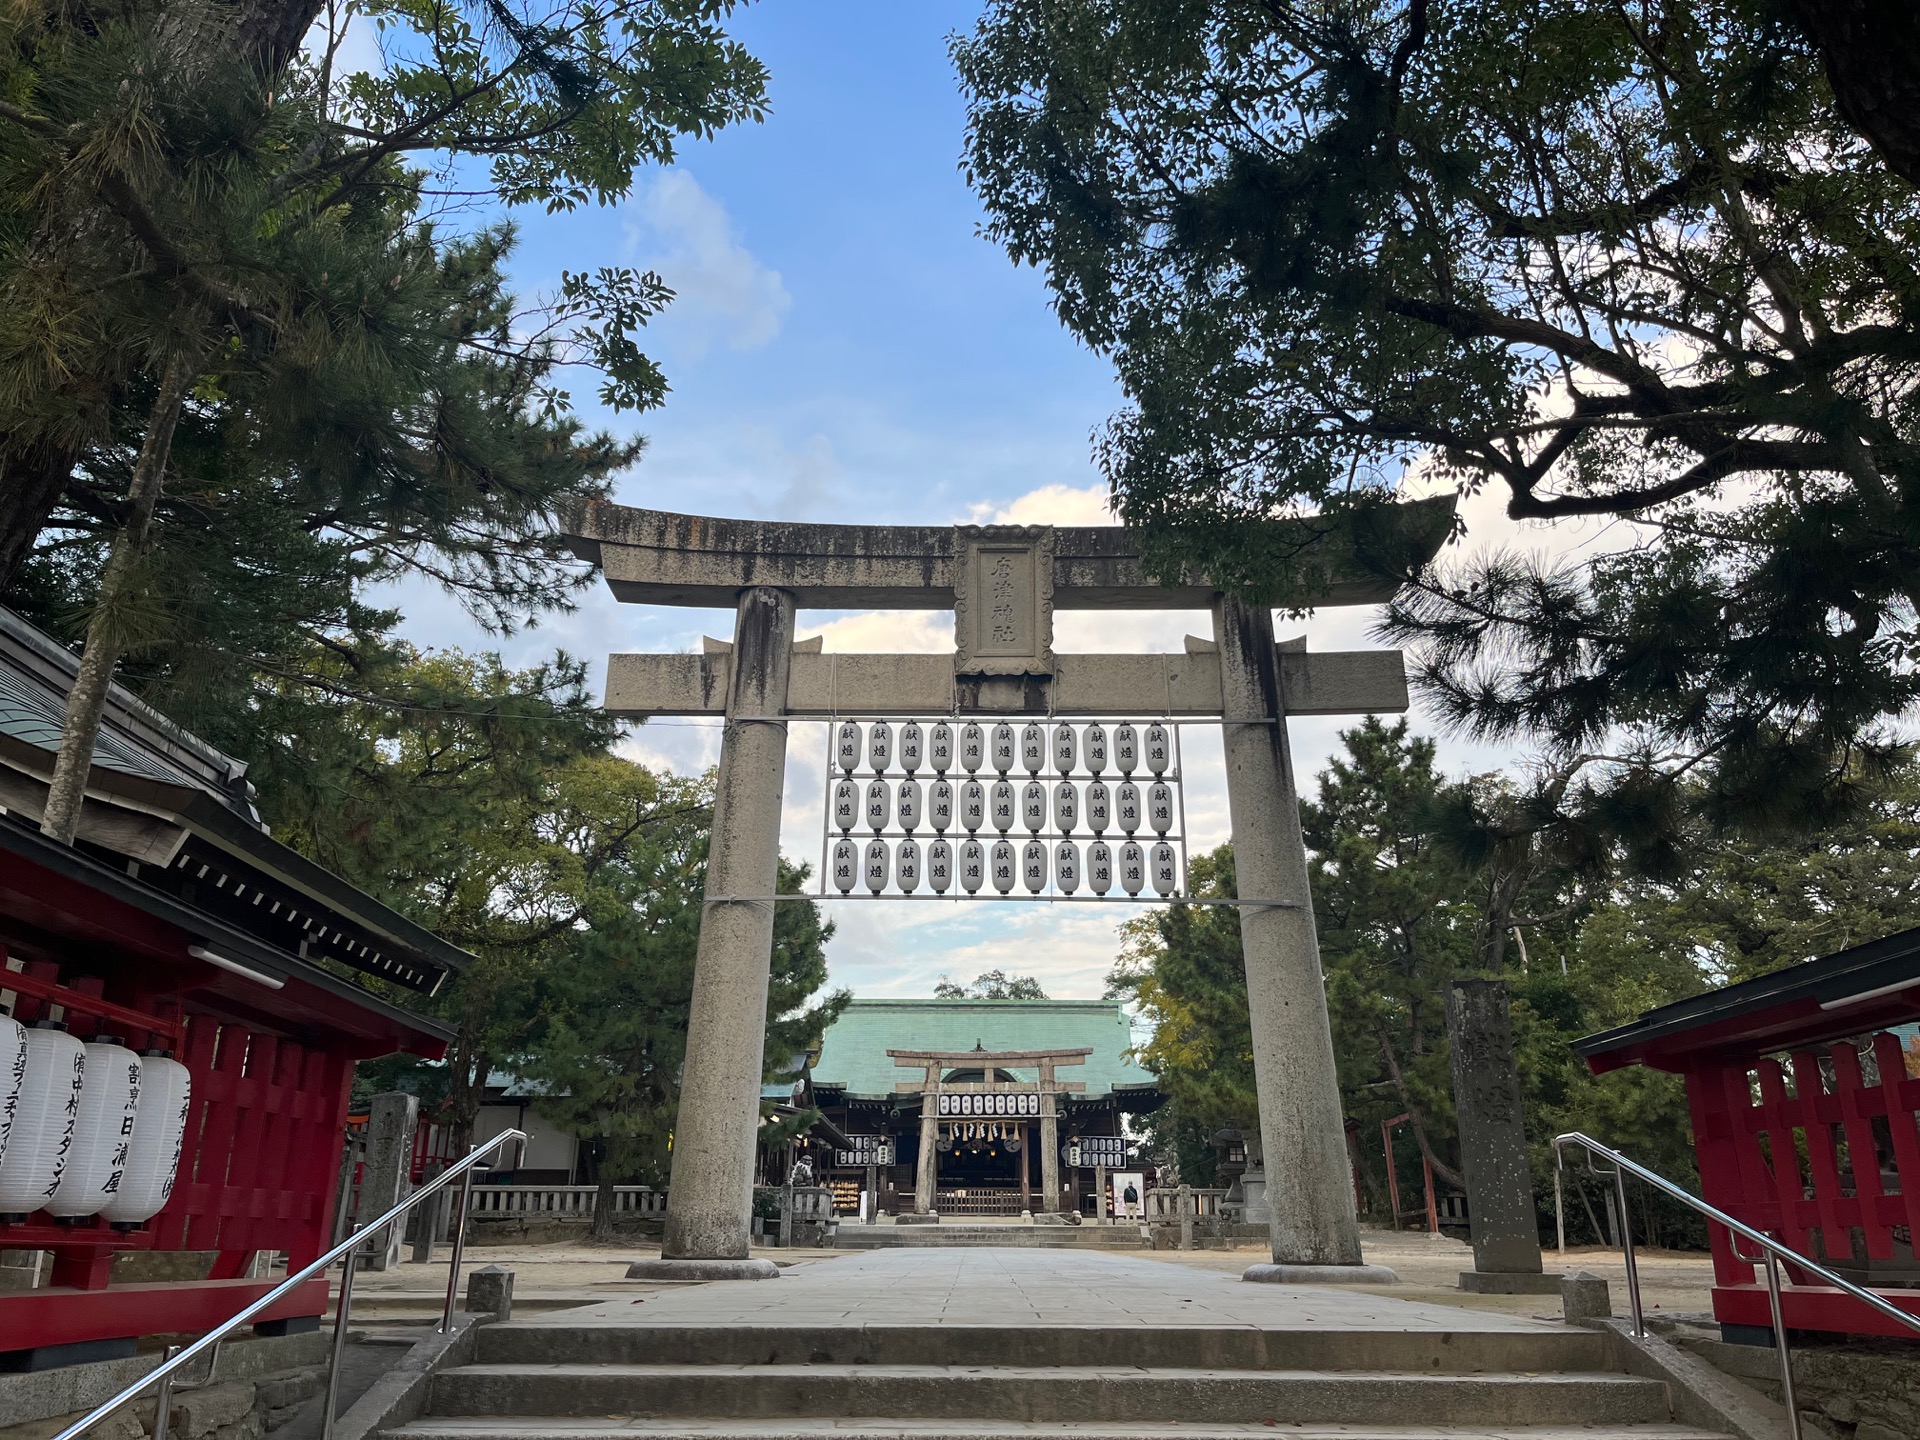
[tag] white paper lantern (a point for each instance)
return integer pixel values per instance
(877, 806)
(879, 864)
(846, 746)
(1160, 807)
(1033, 806)
(1159, 749)
(1033, 748)
(940, 748)
(1099, 867)
(1066, 867)
(1094, 745)
(973, 747)
(1033, 866)
(1065, 749)
(1066, 806)
(879, 746)
(939, 867)
(103, 1131)
(973, 806)
(1004, 864)
(153, 1162)
(1133, 868)
(1166, 869)
(846, 865)
(1003, 747)
(1004, 805)
(1099, 807)
(41, 1144)
(1126, 806)
(907, 866)
(13, 1069)
(908, 807)
(940, 806)
(1126, 749)
(973, 866)
(912, 746)
(846, 804)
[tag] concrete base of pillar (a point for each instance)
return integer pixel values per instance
(912, 1217)
(1320, 1275)
(699, 1270)
(1476, 1282)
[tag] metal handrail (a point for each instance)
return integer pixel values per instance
(347, 1250)
(1772, 1253)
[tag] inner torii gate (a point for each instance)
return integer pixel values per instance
(1003, 584)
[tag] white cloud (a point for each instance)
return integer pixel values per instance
(1049, 505)
(722, 294)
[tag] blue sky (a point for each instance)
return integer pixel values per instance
(844, 347)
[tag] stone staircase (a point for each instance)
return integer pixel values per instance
(1022, 1236)
(598, 1382)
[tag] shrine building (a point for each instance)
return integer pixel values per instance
(976, 1107)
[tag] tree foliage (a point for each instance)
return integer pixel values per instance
(1615, 260)
(991, 985)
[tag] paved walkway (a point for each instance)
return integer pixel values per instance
(1024, 1287)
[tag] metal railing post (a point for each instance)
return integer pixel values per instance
(341, 1311)
(1626, 1250)
(163, 1396)
(459, 1249)
(1780, 1343)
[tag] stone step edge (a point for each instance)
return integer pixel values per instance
(860, 1428)
(975, 1374)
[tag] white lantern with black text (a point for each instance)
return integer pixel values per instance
(973, 747)
(912, 746)
(1004, 748)
(1126, 749)
(1160, 807)
(1033, 866)
(1099, 867)
(846, 804)
(1066, 867)
(1066, 806)
(973, 866)
(880, 746)
(13, 1069)
(1033, 806)
(42, 1141)
(1094, 744)
(846, 865)
(1159, 749)
(1003, 863)
(1133, 868)
(909, 804)
(973, 806)
(939, 867)
(1005, 805)
(940, 748)
(877, 805)
(1065, 748)
(1099, 807)
(159, 1129)
(846, 746)
(1033, 748)
(940, 806)
(878, 865)
(907, 865)
(1166, 869)
(1126, 806)
(102, 1132)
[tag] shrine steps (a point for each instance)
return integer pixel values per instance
(1018, 1236)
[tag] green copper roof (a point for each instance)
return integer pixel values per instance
(853, 1056)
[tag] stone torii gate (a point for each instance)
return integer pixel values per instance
(1003, 584)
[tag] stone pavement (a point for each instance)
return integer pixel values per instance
(1018, 1288)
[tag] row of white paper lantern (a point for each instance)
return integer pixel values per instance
(87, 1129)
(973, 806)
(1003, 866)
(938, 748)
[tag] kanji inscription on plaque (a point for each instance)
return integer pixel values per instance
(1003, 600)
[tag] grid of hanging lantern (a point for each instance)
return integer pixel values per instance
(1086, 810)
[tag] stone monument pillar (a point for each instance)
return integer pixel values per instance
(710, 1202)
(1493, 1144)
(387, 1176)
(1302, 1138)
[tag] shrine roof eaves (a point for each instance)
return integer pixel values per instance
(658, 557)
(1851, 992)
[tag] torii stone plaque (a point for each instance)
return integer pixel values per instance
(1003, 583)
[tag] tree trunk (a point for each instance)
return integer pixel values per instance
(87, 701)
(602, 1227)
(30, 486)
(1871, 49)
(1440, 1167)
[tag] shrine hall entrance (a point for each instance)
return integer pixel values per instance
(985, 1166)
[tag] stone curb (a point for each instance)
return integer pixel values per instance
(400, 1395)
(1320, 1275)
(697, 1270)
(1701, 1395)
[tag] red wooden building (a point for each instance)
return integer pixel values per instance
(176, 925)
(1804, 1093)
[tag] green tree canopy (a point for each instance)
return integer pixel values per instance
(992, 985)
(1613, 260)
